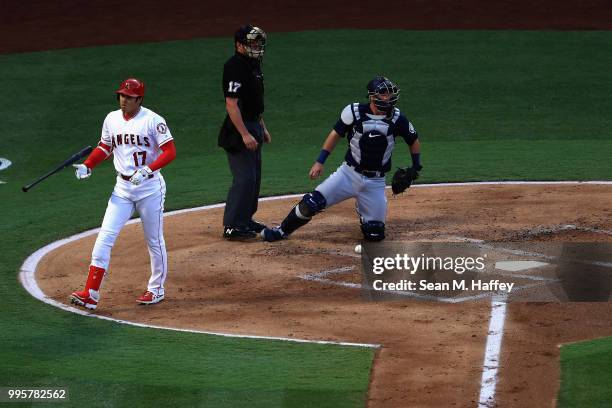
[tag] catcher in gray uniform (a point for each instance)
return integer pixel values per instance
(371, 130)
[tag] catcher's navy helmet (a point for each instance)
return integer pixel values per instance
(383, 86)
(254, 40)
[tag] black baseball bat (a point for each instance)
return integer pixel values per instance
(71, 160)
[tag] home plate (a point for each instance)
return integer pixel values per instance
(515, 266)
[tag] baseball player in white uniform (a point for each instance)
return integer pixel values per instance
(141, 144)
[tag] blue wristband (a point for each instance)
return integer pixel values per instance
(323, 156)
(416, 160)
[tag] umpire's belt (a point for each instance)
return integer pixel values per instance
(367, 173)
(127, 178)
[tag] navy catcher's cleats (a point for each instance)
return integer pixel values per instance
(272, 234)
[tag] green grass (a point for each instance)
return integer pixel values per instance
(488, 105)
(111, 364)
(586, 375)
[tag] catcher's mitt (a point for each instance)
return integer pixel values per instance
(403, 178)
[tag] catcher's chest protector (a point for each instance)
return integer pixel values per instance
(371, 139)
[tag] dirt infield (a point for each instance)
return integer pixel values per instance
(34, 25)
(432, 353)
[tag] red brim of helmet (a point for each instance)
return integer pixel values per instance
(127, 92)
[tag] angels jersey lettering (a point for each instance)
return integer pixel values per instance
(134, 142)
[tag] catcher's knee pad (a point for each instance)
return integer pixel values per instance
(311, 204)
(373, 230)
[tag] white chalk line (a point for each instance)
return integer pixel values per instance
(523, 276)
(495, 334)
(27, 277)
(539, 231)
(497, 320)
(490, 365)
(550, 257)
(596, 230)
(565, 227)
(321, 277)
(29, 282)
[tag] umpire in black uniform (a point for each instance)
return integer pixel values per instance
(243, 131)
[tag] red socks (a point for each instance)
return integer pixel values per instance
(94, 279)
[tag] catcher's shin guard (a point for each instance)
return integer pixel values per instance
(311, 204)
(294, 220)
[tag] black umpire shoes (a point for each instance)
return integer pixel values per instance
(238, 233)
(252, 229)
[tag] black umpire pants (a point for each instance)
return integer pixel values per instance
(243, 195)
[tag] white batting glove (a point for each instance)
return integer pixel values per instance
(82, 171)
(141, 175)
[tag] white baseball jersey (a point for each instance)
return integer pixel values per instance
(135, 142)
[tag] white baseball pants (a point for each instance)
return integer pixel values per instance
(148, 200)
(345, 183)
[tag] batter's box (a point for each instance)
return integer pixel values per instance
(571, 271)
(458, 272)
(438, 290)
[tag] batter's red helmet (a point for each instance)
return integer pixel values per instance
(131, 87)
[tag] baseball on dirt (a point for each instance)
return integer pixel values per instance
(358, 248)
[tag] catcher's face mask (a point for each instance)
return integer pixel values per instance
(384, 94)
(253, 39)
